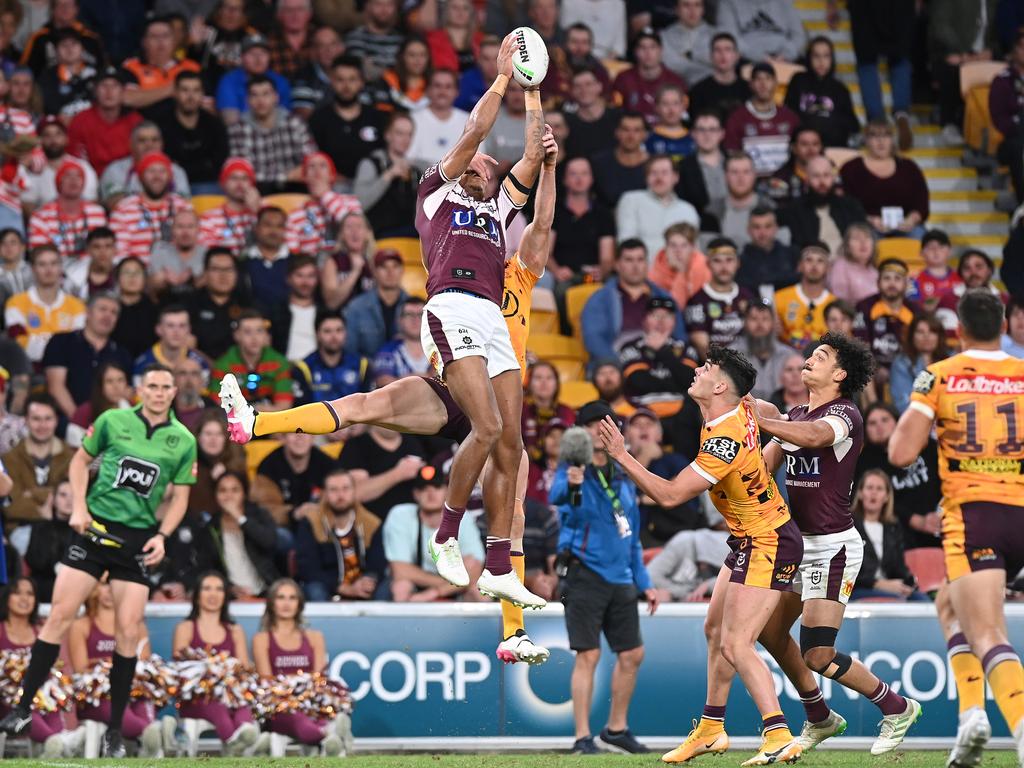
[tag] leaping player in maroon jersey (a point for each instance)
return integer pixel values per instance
(463, 233)
(820, 443)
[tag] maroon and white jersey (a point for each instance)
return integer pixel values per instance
(819, 480)
(762, 135)
(463, 239)
(720, 315)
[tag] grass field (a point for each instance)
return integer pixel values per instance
(823, 759)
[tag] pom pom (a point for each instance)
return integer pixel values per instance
(54, 695)
(314, 695)
(203, 677)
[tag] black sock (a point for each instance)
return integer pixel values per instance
(44, 656)
(615, 733)
(122, 672)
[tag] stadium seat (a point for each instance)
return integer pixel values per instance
(906, 249)
(575, 299)
(840, 156)
(565, 353)
(980, 134)
(333, 449)
(928, 564)
(577, 393)
(975, 73)
(203, 203)
(407, 247)
(414, 281)
(614, 67)
(255, 452)
(194, 728)
(543, 311)
(287, 202)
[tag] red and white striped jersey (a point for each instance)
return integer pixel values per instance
(67, 232)
(140, 224)
(19, 120)
(14, 181)
(228, 229)
(311, 228)
(11, 188)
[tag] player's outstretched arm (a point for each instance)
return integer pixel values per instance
(482, 118)
(910, 437)
(819, 433)
(523, 176)
(535, 245)
(668, 493)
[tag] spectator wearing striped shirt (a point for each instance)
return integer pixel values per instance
(272, 139)
(42, 186)
(312, 228)
(377, 41)
(44, 309)
(67, 221)
(140, 221)
(121, 177)
(263, 373)
(18, 142)
(230, 225)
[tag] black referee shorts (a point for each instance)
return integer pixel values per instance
(593, 606)
(123, 563)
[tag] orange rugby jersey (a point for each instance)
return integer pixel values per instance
(515, 305)
(743, 490)
(977, 401)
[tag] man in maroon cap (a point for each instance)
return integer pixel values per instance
(372, 317)
(141, 220)
(230, 224)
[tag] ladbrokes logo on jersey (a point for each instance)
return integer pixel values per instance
(136, 475)
(476, 224)
(985, 385)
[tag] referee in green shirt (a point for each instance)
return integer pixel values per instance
(143, 450)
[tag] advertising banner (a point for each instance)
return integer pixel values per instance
(430, 670)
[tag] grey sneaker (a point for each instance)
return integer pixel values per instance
(893, 728)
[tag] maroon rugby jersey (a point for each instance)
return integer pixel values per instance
(720, 315)
(819, 480)
(463, 239)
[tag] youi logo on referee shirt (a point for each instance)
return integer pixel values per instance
(136, 475)
(476, 223)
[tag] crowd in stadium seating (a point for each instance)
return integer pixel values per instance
(229, 186)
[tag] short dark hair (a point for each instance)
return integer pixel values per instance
(43, 399)
(708, 112)
(724, 36)
(981, 314)
(979, 254)
(761, 210)
(579, 26)
(347, 60)
(297, 261)
(841, 306)
(805, 129)
(721, 242)
(218, 250)
(854, 357)
(155, 368)
(268, 209)
(630, 115)
(255, 80)
(187, 74)
(170, 309)
(324, 314)
(759, 306)
(814, 247)
(8, 589)
(630, 244)
(247, 314)
(734, 365)
(100, 233)
(128, 260)
(44, 248)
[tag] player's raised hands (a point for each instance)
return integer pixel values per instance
(481, 164)
(611, 438)
(508, 47)
(550, 147)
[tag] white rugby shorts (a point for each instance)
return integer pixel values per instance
(457, 325)
(830, 566)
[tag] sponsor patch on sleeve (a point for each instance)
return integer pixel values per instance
(925, 382)
(723, 448)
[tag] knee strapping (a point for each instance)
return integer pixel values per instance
(812, 638)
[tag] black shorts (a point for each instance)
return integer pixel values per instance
(593, 605)
(123, 563)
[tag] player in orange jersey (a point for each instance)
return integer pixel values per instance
(976, 401)
(423, 406)
(766, 550)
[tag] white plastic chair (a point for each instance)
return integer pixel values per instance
(94, 731)
(279, 744)
(194, 728)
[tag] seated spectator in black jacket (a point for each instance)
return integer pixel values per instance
(221, 299)
(1012, 270)
(654, 365)
(331, 544)
(290, 479)
(584, 229)
(387, 179)
(237, 538)
(765, 261)
(820, 99)
(884, 572)
(49, 539)
(623, 167)
(790, 181)
(293, 321)
(723, 89)
(821, 215)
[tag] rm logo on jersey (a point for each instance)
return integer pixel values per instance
(136, 475)
(924, 382)
(724, 448)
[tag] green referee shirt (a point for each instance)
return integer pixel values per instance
(138, 462)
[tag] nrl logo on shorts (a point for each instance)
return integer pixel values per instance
(136, 475)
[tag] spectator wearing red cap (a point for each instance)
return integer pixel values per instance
(274, 140)
(121, 177)
(312, 228)
(142, 220)
(66, 221)
(42, 185)
(100, 134)
(230, 225)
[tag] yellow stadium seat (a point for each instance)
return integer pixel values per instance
(568, 370)
(980, 134)
(256, 451)
(577, 393)
(287, 202)
(906, 249)
(552, 346)
(975, 73)
(333, 449)
(575, 299)
(414, 281)
(203, 203)
(543, 311)
(614, 66)
(407, 247)
(840, 156)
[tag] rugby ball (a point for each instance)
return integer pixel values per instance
(530, 60)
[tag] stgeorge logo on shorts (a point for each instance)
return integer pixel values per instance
(75, 552)
(847, 589)
(137, 475)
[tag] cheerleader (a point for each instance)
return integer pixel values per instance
(209, 628)
(285, 647)
(19, 614)
(90, 641)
